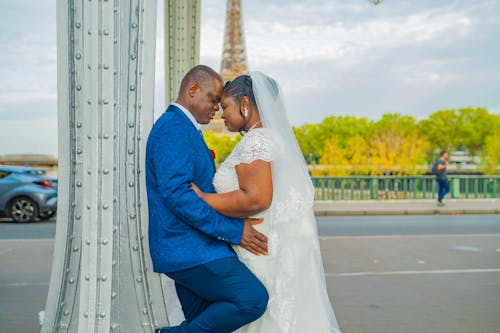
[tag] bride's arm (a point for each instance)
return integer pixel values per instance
(255, 193)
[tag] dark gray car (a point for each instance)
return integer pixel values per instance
(27, 194)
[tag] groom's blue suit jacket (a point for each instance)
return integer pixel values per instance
(183, 230)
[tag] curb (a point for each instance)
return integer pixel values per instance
(324, 213)
(406, 207)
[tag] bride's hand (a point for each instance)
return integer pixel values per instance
(197, 190)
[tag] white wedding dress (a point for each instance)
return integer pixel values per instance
(292, 272)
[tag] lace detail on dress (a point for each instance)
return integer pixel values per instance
(282, 302)
(295, 205)
(277, 272)
(258, 144)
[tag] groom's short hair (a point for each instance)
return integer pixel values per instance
(200, 75)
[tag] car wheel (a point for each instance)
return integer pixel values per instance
(46, 215)
(23, 209)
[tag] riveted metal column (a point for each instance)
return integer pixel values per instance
(102, 278)
(182, 42)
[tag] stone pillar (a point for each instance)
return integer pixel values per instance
(102, 280)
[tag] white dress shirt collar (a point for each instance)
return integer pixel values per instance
(189, 115)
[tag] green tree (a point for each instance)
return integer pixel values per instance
(465, 128)
(312, 138)
(442, 130)
(396, 146)
(222, 145)
(357, 152)
(333, 159)
(396, 143)
(307, 138)
(491, 155)
(338, 159)
(476, 124)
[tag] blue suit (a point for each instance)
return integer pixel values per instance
(184, 231)
(188, 240)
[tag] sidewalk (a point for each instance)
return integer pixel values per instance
(406, 207)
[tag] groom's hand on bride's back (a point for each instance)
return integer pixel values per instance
(252, 240)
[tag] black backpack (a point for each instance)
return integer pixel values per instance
(434, 168)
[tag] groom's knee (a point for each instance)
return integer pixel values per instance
(254, 303)
(261, 297)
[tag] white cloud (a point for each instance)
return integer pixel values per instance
(28, 82)
(25, 136)
(331, 57)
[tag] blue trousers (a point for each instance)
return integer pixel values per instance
(218, 297)
(443, 188)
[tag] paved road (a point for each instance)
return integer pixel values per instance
(413, 273)
(329, 226)
(409, 225)
(32, 230)
(401, 274)
(423, 283)
(406, 207)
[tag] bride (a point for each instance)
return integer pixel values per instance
(267, 169)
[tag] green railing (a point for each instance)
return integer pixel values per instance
(403, 187)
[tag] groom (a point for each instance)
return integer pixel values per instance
(188, 240)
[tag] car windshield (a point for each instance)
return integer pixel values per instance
(36, 172)
(4, 172)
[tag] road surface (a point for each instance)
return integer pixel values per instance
(384, 273)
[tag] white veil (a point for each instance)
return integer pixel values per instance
(298, 288)
(293, 194)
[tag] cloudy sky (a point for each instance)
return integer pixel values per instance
(332, 57)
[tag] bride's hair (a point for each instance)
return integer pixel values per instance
(240, 87)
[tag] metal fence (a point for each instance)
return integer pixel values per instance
(403, 187)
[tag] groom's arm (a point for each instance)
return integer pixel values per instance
(173, 162)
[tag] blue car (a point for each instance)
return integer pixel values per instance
(27, 194)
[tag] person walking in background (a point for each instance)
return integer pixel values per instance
(439, 169)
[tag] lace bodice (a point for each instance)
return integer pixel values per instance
(258, 144)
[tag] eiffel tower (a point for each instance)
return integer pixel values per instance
(234, 57)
